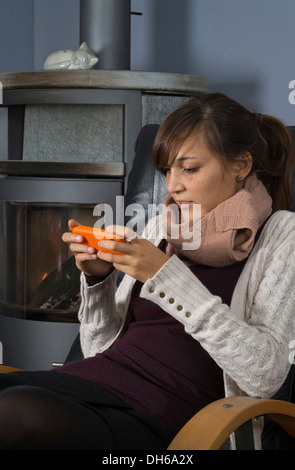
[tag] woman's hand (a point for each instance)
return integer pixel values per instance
(140, 258)
(85, 256)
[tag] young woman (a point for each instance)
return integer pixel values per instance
(186, 326)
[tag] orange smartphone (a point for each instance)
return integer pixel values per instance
(92, 237)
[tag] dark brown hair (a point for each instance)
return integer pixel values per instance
(229, 130)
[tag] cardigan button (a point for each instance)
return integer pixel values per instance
(151, 290)
(162, 294)
(188, 314)
(179, 308)
(171, 300)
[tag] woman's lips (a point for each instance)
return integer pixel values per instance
(184, 204)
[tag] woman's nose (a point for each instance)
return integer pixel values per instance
(174, 183)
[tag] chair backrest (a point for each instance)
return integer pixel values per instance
(146, 186)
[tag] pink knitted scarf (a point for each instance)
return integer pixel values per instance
(227, 233)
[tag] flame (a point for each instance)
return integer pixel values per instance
(44, 276)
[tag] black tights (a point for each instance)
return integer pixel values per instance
(35, 418)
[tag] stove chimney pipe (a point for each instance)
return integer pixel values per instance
(105, 26)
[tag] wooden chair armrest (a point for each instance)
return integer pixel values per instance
(212, 425)
(7, 369)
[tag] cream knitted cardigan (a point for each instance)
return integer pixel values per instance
(249, 339)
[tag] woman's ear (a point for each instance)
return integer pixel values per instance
(242, 165)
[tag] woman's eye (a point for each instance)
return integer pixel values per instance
(191, 170)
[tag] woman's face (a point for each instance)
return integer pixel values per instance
(198, 176)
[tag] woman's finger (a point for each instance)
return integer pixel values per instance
(123, 232)
(72, 223)
(117, 246)
(81, 248)
(80, 257)
(70, 237)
